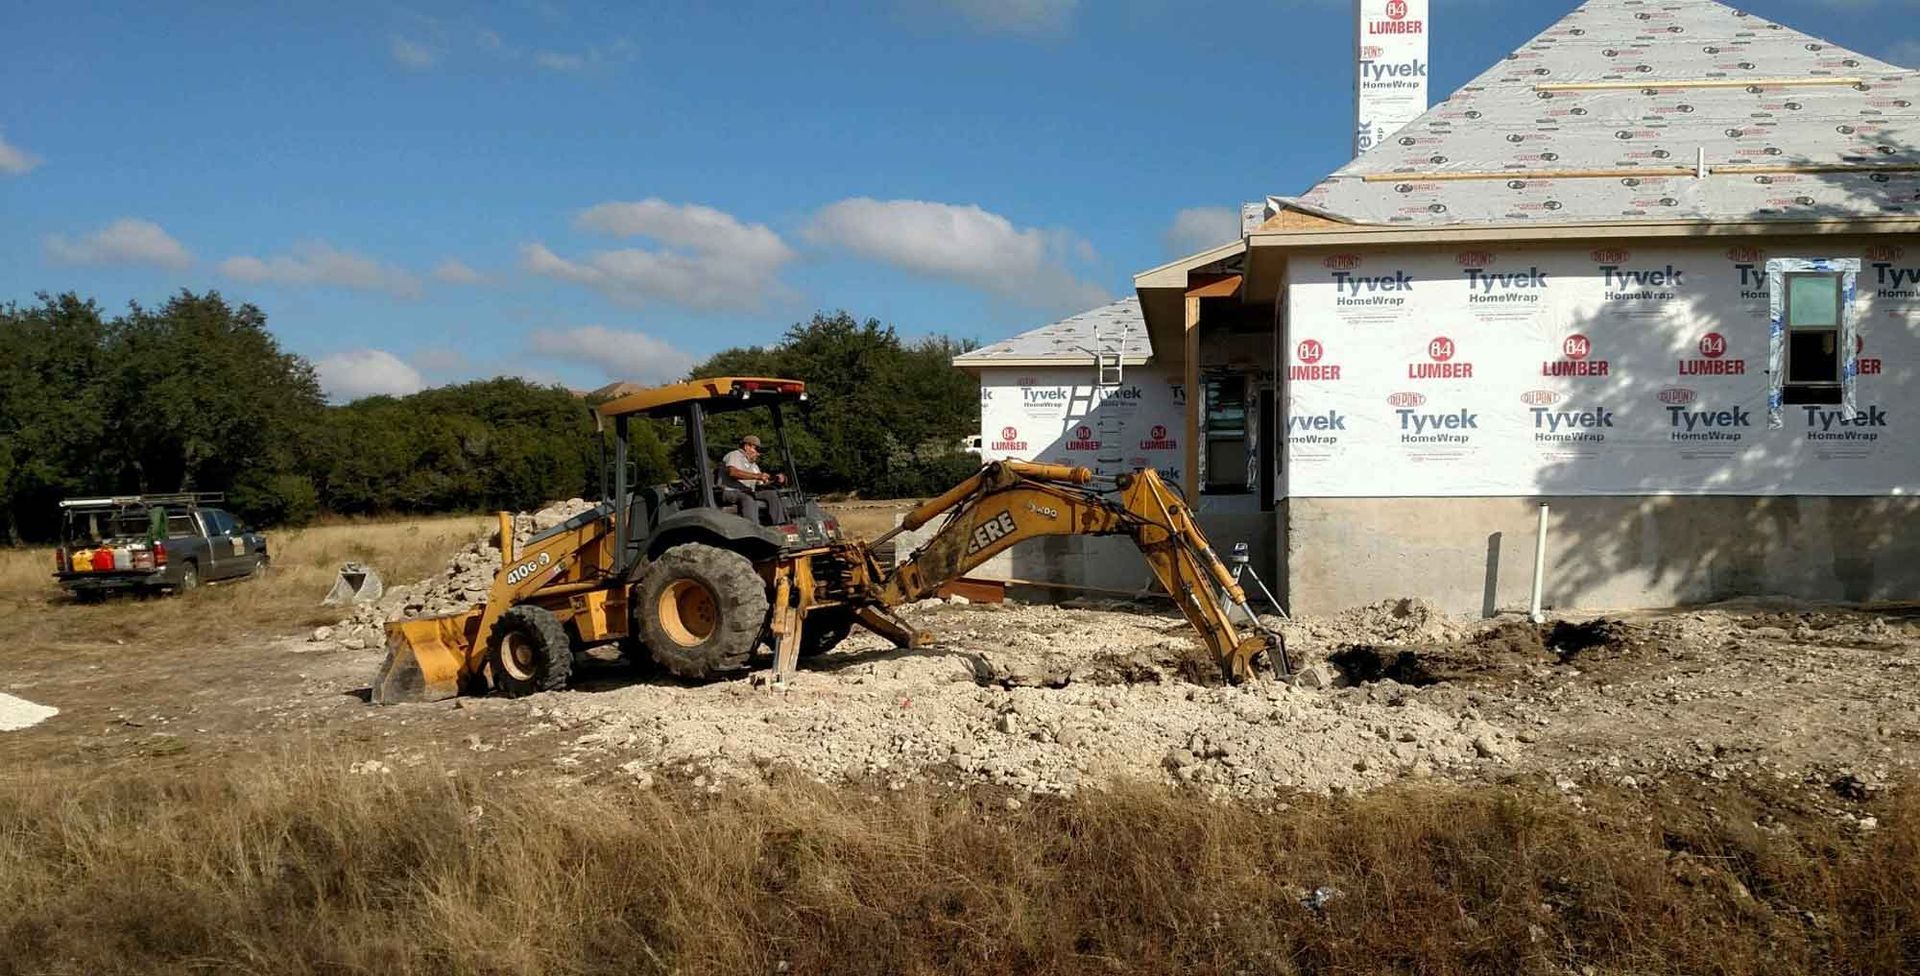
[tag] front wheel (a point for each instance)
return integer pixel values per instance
(702, 610)
(529, 652)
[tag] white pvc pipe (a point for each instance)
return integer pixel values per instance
(1539, 566)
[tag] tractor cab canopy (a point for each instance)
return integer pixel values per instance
(713, 395)
(784, 513)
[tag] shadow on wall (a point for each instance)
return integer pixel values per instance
(1698, 549)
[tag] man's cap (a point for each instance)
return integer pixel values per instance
(750, 439)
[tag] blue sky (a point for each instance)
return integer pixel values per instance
(577, 192)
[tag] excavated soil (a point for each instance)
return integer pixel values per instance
(1039, 698)
(1052, 699)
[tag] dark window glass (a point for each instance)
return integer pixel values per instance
(216, 521)
(1824, 393)
(1813, 356)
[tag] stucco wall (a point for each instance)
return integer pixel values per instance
(1473, 555)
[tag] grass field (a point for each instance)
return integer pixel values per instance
(291, 864)
(304, 564)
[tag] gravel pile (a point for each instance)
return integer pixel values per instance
(1040, 699)
(463, 584)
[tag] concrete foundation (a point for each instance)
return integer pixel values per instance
(1475, 555)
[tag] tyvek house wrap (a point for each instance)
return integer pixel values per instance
(1502, 123)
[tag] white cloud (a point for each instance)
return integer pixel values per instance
(455, 272)
(557, 61)
(15, 161)
(965, 244)
(1016, 16)
(710, 260)
(360, 373)
(125, 241)
(1198, 228)
(319, 263)
(413, 54)
(618, 354)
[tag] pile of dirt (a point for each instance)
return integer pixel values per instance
(1399, 621)
(463, 584)
(1036, 698)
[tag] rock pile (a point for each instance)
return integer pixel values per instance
(1035, 698)
(463, 584)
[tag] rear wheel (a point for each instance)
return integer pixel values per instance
(189, 576)
(702, 610)
(529, 652)
(823, 630)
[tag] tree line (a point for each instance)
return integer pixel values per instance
(198, 395)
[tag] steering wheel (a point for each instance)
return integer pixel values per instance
(689, 477)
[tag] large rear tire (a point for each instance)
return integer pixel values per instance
(702, 610)
(823, 630)
(529, 652)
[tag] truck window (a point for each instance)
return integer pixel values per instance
(179, 525)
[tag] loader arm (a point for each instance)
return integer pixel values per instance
(1009, 502)
(431, 658)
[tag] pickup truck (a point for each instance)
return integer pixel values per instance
(152, 542)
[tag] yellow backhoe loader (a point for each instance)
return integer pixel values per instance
(683, 579)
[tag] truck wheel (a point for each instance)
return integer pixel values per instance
(529, 652)
(702, 610)
(823, 630)
(189, 576)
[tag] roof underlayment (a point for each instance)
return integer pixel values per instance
(1693, 82)
(1118, 327)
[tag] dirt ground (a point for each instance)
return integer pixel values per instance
(1054, 699)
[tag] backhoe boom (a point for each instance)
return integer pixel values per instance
(1009, 502)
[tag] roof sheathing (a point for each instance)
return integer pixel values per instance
(1502, 123)
(1119, 327)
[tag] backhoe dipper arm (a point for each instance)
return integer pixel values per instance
(1009, 502)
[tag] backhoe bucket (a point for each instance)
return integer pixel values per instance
(429, 659)
(357, 583)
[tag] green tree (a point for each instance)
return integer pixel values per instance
(53, 408)
(884, 414)
(201, 393)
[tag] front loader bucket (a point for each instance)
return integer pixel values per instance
(356, 584)
(429, 659)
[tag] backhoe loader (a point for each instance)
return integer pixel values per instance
(684, 582)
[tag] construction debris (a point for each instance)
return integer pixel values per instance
(461, 585)
(1039, 699)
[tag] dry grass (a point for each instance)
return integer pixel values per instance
(33, 609)
(297, 866)
(868, 519)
